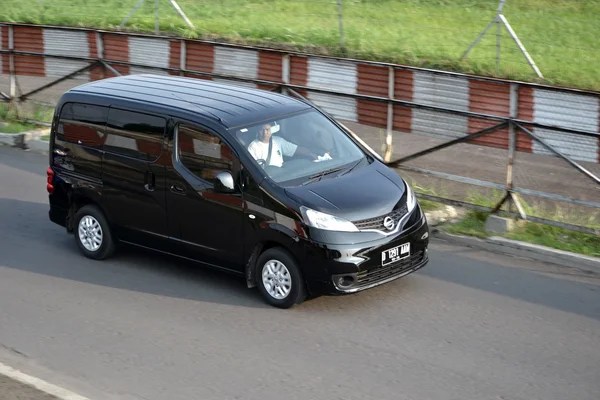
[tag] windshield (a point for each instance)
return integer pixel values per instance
(302, 146)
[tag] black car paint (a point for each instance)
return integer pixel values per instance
(184, 216)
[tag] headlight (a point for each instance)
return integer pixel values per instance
(320, 220)
(411, 200)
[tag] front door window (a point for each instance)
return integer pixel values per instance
(203, 153)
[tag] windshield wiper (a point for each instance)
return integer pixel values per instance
(351, 168)
(317, 177)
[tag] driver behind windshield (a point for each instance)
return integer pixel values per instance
(259, 148)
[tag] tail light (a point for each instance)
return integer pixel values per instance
(50, 180)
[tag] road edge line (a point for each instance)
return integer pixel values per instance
(39, 384)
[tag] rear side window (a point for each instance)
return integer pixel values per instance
(202, 152)
(82, 124)
(134, 134)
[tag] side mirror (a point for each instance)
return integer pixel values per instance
(224, 182)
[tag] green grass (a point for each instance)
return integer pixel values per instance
(15, 127)
(545, 235)
(471, 225)
(560, 35)
(558, 238)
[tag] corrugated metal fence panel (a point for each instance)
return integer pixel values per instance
(440, 91)
(238, 63)
(59, 42)
(567, 110)
(299, 73)
(116, 48)
(97, 72)
(339, 107)
(174, 55)
(525, 113)
(148, 51)
(2, 47)
(489, 98)
(334, 75)
(270, 68)
(373, 81)
(29, 39)
(404, 88)
(199, 57)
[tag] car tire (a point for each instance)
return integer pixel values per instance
(287, 287)
(92, 233)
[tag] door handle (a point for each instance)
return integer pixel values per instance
(177, 189)
(149, 181)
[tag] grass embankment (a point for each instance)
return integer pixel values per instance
(545, 235)
(560, 35)
(15, 127)
(10, 123)
(473, 224)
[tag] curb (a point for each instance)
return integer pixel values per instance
(14, 140)
(527, 250)
(28, 140)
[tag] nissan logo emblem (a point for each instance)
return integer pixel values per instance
(388, 222)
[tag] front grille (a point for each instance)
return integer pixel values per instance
(378, 274)
(377, 222)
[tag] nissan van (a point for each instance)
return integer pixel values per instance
(260, 184)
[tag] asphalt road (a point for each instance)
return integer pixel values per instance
(470, 325)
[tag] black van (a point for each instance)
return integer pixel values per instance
(253, 182)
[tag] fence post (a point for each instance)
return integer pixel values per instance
(341, 22)
(512, 147)
(182, 57)
(11, 66)
(510, 197)
(390, 115)
(512, 139)
(100, 49)
(285, 72)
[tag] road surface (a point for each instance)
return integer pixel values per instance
(469, 326)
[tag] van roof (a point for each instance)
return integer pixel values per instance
(232, 105)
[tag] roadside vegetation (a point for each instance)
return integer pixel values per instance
(473, 224)
(11, 123)
(545, 235)
(15, 127)
(560, 35)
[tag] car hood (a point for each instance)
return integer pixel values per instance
(366, 192)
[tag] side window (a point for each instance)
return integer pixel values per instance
(82, 124)
(134, 134)
(202, 152)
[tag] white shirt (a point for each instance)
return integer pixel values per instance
(260, 150)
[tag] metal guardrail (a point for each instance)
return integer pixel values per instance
(511, 197)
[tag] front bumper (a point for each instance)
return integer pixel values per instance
(344, 269)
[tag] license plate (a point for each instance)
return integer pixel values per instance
(395, 254)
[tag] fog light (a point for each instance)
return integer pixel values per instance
(345, 281)
(425, 236)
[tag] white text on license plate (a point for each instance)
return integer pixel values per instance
(395, 254)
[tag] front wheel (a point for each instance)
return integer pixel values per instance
(279, 279)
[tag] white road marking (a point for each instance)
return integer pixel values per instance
(39, 384)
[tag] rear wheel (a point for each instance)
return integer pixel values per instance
(92, 233)
(279, 279)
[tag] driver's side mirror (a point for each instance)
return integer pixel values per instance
(224, 182)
